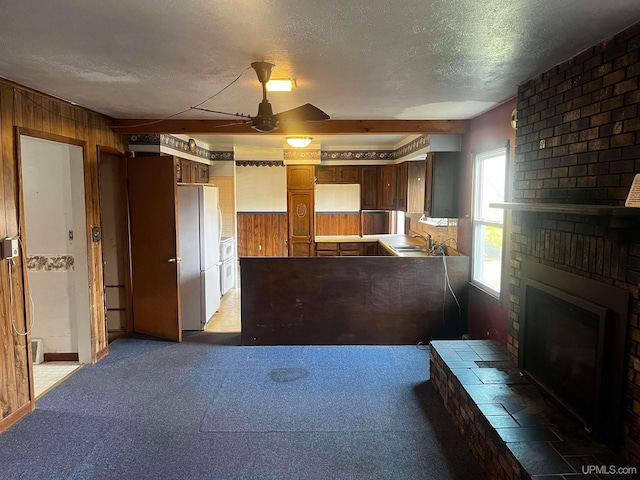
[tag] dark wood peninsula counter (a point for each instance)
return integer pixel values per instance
(367, 300)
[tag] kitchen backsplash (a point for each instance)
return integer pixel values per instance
(441, 230)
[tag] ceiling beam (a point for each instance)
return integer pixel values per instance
(330, 127)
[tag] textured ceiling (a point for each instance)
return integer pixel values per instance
(356, 59)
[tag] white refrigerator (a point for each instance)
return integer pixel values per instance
(199, 233)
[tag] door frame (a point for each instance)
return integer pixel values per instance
(19, 132)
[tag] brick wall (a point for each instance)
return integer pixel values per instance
(578, 141)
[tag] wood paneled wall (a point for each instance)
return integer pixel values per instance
(337, 224)
(46, 117)
(352, 300)
(262, 234)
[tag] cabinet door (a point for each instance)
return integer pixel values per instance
(300, 177)
(300, 207)
(387, 187)
(203, 173)
(326, 249)
(186, 170)
(415, 186)
(402, 177)
(369, 188)
(348, 174)
(178, 162)
(428, 184)
(326, 174)
(441, 188)
(371, 249)
(193, 166)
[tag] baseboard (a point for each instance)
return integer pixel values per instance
(12, 418)
(60, 357)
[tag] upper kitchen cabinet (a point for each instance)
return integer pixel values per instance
(338, 174)
(441, 184)
(300, 177)
(203, 173)
(402, 177)
(415, 186)
(188, 171)
(369, 188)
(387, 178)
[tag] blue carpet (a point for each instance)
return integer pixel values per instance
(160, 410)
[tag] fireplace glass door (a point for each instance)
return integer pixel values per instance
(563, 349)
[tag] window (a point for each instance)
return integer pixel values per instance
(488, 228)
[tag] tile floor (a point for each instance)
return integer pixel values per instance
(227, 319)
(49, 374)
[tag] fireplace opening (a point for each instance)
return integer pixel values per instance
(571, 345)
(564, 349)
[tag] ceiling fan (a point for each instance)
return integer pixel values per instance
(266, 120)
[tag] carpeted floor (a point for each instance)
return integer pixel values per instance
(159, 410)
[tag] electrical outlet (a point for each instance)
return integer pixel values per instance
(10, 247)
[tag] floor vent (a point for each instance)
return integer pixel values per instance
(37, 350)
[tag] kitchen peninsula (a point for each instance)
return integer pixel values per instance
(397, 296)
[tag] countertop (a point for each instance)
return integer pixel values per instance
(385, 240)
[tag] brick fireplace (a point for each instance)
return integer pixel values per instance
(578, 144)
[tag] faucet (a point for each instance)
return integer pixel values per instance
(427, 240)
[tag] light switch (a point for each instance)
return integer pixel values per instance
(10, 248)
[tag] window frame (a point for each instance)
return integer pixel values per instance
(475, 222)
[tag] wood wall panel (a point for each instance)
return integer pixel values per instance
(337, 224)
(27, 109)
(262, 234)
(351, 300)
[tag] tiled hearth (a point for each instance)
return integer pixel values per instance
(513, 431)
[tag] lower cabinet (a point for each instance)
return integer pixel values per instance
(326, 249)
(346, 249)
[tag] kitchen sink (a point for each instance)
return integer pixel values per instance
(410, 248)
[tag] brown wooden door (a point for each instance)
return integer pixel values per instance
(300, 223)
(387, 187)
(402, 174)
(415, 187)
(369, 188)
(326, 174)
(154, 262)
(203, 173)
(300, 177)
(428, 183)
(348, 174)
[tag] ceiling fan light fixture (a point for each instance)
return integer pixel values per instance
(299, 142)
(281, 85)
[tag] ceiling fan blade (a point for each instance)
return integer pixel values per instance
(304, 113)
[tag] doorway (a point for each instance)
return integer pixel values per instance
(56, 249)
(115, 246)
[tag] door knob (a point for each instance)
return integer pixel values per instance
(175, 260)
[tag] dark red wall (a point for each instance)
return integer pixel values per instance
(488, 318)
